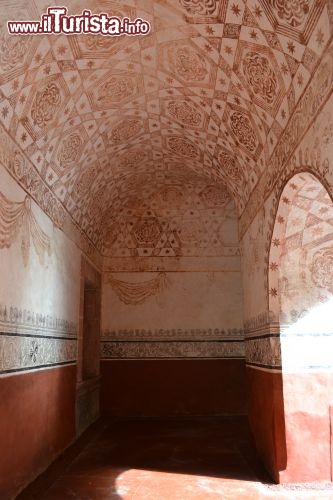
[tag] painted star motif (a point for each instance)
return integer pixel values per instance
(257, 11)
(61, 49)
(284, 68)
(300, 80)
(291, 47)
(254, 35)
(5, 111)
(235, 9)
(210, 30)
(47, 70)
(15, 85)
(317, 231)
(320, 37)
(273, 266)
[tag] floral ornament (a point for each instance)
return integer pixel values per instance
(183, 147)
(241, 127)
(115, 89)
(231, 167)
(70, 150)
(260, 76)
(321, 268)
(187, 63)
(185, 113)
(125, 130)
(45, 105)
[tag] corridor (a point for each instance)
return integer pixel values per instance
(166, 250)
(178, 459)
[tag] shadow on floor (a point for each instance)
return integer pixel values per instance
(155, 459)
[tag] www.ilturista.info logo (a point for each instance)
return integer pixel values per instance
(56, 21)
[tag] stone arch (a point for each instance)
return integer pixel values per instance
(300, 295)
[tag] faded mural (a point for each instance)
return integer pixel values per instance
(134, 148)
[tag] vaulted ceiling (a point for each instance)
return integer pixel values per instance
(110, 123)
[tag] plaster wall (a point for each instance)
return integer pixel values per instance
(273, 392)
(39, 313)
(181, 351)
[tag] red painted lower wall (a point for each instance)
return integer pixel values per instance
(37, 421)
(266, 418)
(307, 399)
(173, 387)
(289, 415)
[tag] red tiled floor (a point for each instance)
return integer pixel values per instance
(209, 459)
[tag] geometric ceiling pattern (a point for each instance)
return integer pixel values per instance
(176, 215)
(207, 93)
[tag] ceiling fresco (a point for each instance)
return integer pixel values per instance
(199, 104)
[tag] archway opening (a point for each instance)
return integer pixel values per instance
(300, 281)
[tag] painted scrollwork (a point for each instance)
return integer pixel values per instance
(17, 220)
(45, 104)
(202, 7)
(70, 150)
(292, 12)
(12, 50)
(322, 268)
(184, 112)
(231, 167)
(242, 129)
(187, 63)
(260, 76)
(115, 89)
(125, 130)
(183, 147)
(137, 293)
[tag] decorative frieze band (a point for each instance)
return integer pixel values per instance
(264, 352)
(26, 352)
(171, 349)
(25, 321)
(262, 324)
(174, 334)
